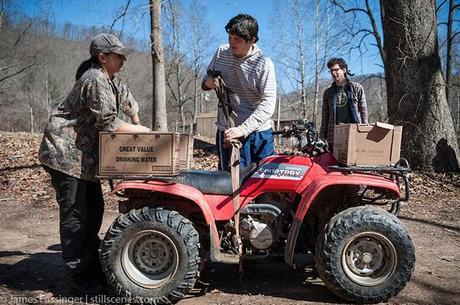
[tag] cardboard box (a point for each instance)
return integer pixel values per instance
(377, 144)
(157, 153)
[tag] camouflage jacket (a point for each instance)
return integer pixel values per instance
(71, 138)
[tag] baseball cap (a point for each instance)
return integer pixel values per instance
(107, 43)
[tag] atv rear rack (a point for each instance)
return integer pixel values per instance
(399, 170)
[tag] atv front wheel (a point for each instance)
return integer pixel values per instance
(365, 255)
(151, 255)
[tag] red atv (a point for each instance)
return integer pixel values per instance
(288, 204)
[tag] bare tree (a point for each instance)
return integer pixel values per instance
(326, 42)
(290, 24)
(318, 66)
(121, 16)
(178, 77)
(451, 34)
(2, 11)
(159, 119)
(186, 50)
(10, 65)
(360, 34)
(299, 45)
(415, 88)
(33, 80)
(304, 38)
(199, 39)
(449, 52)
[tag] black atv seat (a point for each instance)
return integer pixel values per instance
(210, 182)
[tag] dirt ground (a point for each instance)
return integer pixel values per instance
(31, 268)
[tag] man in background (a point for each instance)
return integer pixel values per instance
(343, 102)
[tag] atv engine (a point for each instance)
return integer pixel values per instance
(259, 234)
(262, 225)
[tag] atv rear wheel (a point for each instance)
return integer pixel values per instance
(151, 255)
(365, 255)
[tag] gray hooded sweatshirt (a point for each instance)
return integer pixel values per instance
(253, 79)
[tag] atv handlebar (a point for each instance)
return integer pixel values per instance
(299, 128)
(307, 136)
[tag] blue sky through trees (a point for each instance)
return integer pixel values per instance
(102, 13)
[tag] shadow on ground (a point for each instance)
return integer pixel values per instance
(432, 222)
(40, 278)
(33, 271)
(43, 271)
(269, 277)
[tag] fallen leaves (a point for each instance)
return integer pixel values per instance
(22, 180)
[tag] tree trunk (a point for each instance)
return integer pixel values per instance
(31, 120)
(180, 94)
(159, 119)
(415, 90)
(181, 117)
(278, 114)
(450, 39)
(458, 111)
(299, 40)
(196, 83)
(317, 61)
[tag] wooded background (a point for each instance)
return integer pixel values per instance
(417, 43)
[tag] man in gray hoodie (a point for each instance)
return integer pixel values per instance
(251, 76)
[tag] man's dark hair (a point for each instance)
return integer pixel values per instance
(342, 64)
(244, 26)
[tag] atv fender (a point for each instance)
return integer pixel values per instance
(194, 195)
(177, 189)
(310, 193)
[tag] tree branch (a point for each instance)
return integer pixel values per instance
(22, 34)
(350, 9)
(8, 67)
(2, 11)
(379, 76)
(17, 72)
(440, 5)
(171, 90)
(455, 34)
(374, 31)
(122, 15)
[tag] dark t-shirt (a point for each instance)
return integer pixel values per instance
(342, 109)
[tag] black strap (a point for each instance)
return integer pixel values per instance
(117, 95)
(223, 94)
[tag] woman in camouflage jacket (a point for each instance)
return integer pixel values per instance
(69, 152)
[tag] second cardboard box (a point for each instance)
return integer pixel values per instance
(378, 144)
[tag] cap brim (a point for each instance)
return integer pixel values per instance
(122, 51)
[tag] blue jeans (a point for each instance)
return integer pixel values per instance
(256, 146)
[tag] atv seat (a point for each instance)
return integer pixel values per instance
(210, 182)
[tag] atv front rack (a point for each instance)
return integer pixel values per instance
(399, 170)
